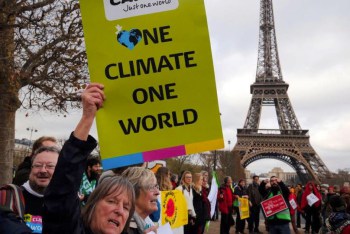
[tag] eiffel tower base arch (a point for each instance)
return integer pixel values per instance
(291, 147)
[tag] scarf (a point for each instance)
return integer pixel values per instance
(86, 187)
(140, 223)
(30, 190)
(338, 221)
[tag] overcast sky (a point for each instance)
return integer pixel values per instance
(313, 44)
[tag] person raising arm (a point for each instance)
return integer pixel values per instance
(109, 207)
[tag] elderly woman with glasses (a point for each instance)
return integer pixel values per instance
(109, 207)
(146, 194)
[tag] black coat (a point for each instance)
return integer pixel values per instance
(61, 210)
(23, 171)
(200, 207)
(265, 192)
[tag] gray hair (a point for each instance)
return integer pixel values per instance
(139, 177)
(105, 188)
(205, 173)
(41, 149)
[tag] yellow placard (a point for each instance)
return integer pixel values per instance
(155, 61)
(243, 207)
(173, 208)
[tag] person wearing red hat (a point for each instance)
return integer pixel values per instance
(311, 206)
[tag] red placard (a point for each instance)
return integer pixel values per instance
(273, 205)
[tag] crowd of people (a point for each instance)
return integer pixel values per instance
(324, 209)
(65, 191)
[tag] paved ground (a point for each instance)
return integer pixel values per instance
(214, 227)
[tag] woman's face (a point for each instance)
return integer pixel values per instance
(205, 179)
(200, 181)
(188, 179)
(111, 213)
(146, 203)
(242, 183)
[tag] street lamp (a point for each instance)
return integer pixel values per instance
(31, 133)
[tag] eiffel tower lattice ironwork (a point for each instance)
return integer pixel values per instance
(290, 143)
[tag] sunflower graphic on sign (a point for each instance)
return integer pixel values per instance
(174, 208)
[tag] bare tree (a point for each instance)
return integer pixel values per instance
(207, 160)
(180, 163)
(225, 162)
(42, 63)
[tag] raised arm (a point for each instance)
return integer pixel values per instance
(284, 189)
(92, 100)
(262, 188)
(61, 211)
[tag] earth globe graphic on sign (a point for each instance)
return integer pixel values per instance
(130, 38)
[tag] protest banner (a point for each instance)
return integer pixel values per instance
(243, 207)
(173, 208)
(154, 59)
(311, 199)
(273, 205)
(293, 204)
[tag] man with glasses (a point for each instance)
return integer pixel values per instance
(23, 169)
(279, 222)
(44, 161)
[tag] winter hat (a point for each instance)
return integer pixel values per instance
(337, 203)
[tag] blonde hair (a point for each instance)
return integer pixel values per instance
(163, 179)
(196, 179)
(182, 181)
(139, 177)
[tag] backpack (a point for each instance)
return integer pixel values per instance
(11, 210)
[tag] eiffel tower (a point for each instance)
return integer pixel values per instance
(290, 143)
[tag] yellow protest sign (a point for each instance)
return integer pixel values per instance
(154, 58)
(243, 207)
(173, 208)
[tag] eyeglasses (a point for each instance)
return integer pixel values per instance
(152, 188)
(46, 166)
